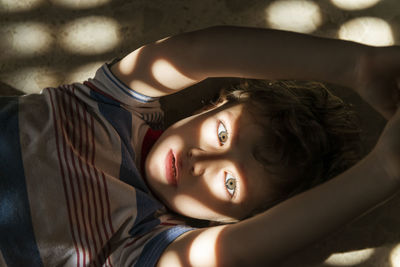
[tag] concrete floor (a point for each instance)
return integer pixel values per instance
(49, 42)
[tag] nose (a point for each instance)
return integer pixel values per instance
(199, 160)
(194, 156)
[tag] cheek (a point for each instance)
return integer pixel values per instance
(198, 199)
(209, 135)
(196, 128)
(194, 207)
(209, 187)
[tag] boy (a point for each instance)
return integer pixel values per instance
(85, 149)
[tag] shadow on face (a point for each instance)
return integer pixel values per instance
(205, 165)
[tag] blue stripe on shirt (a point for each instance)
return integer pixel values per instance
(121, 120)
(145, 220)
(156, 246)
(17, 240)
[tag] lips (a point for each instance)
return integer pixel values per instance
(171, 168)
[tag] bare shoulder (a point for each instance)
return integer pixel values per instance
(201, 247)
(160, 68)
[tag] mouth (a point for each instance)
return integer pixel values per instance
(171, 169)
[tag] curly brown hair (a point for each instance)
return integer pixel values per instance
(310, 134)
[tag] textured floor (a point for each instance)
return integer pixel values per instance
(49, 42)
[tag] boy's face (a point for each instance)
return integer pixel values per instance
(203, 166)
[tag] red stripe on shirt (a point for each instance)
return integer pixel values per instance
(132, 242)
(104, 245)
(63, 176)
(78, 106)
(65, 125)
(89, 168)
(106, 248)
(78, 179)
(81, 179)
(106, 195)
(108, 213)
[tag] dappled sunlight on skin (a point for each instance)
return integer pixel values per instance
(90, 35)
(208, 201)
(187, 201)
(130, 64)
(165, 73)
(140, 62)
(80, 4)
(350, 258)
(294, 15)
(214, 207)
(205, 244)
(87, 36)
(25, 39)
(354, 4)
(18, 6)
(395, 256)
(367, 30)
(182, 200)
(145, 86)
(134, 65)
(210, 206)
(201, 245)
(203, 162)
(170, 257)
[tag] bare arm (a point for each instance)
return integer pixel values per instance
(173, 64)
(289, 226)
(296, 222)
(177, 62)
(226, 51)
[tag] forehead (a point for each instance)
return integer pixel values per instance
(247, 136)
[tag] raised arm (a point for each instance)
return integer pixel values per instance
(305, 218)
(227, 51)
(177, 62)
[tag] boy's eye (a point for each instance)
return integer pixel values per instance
(230, 184)
(222, 133)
